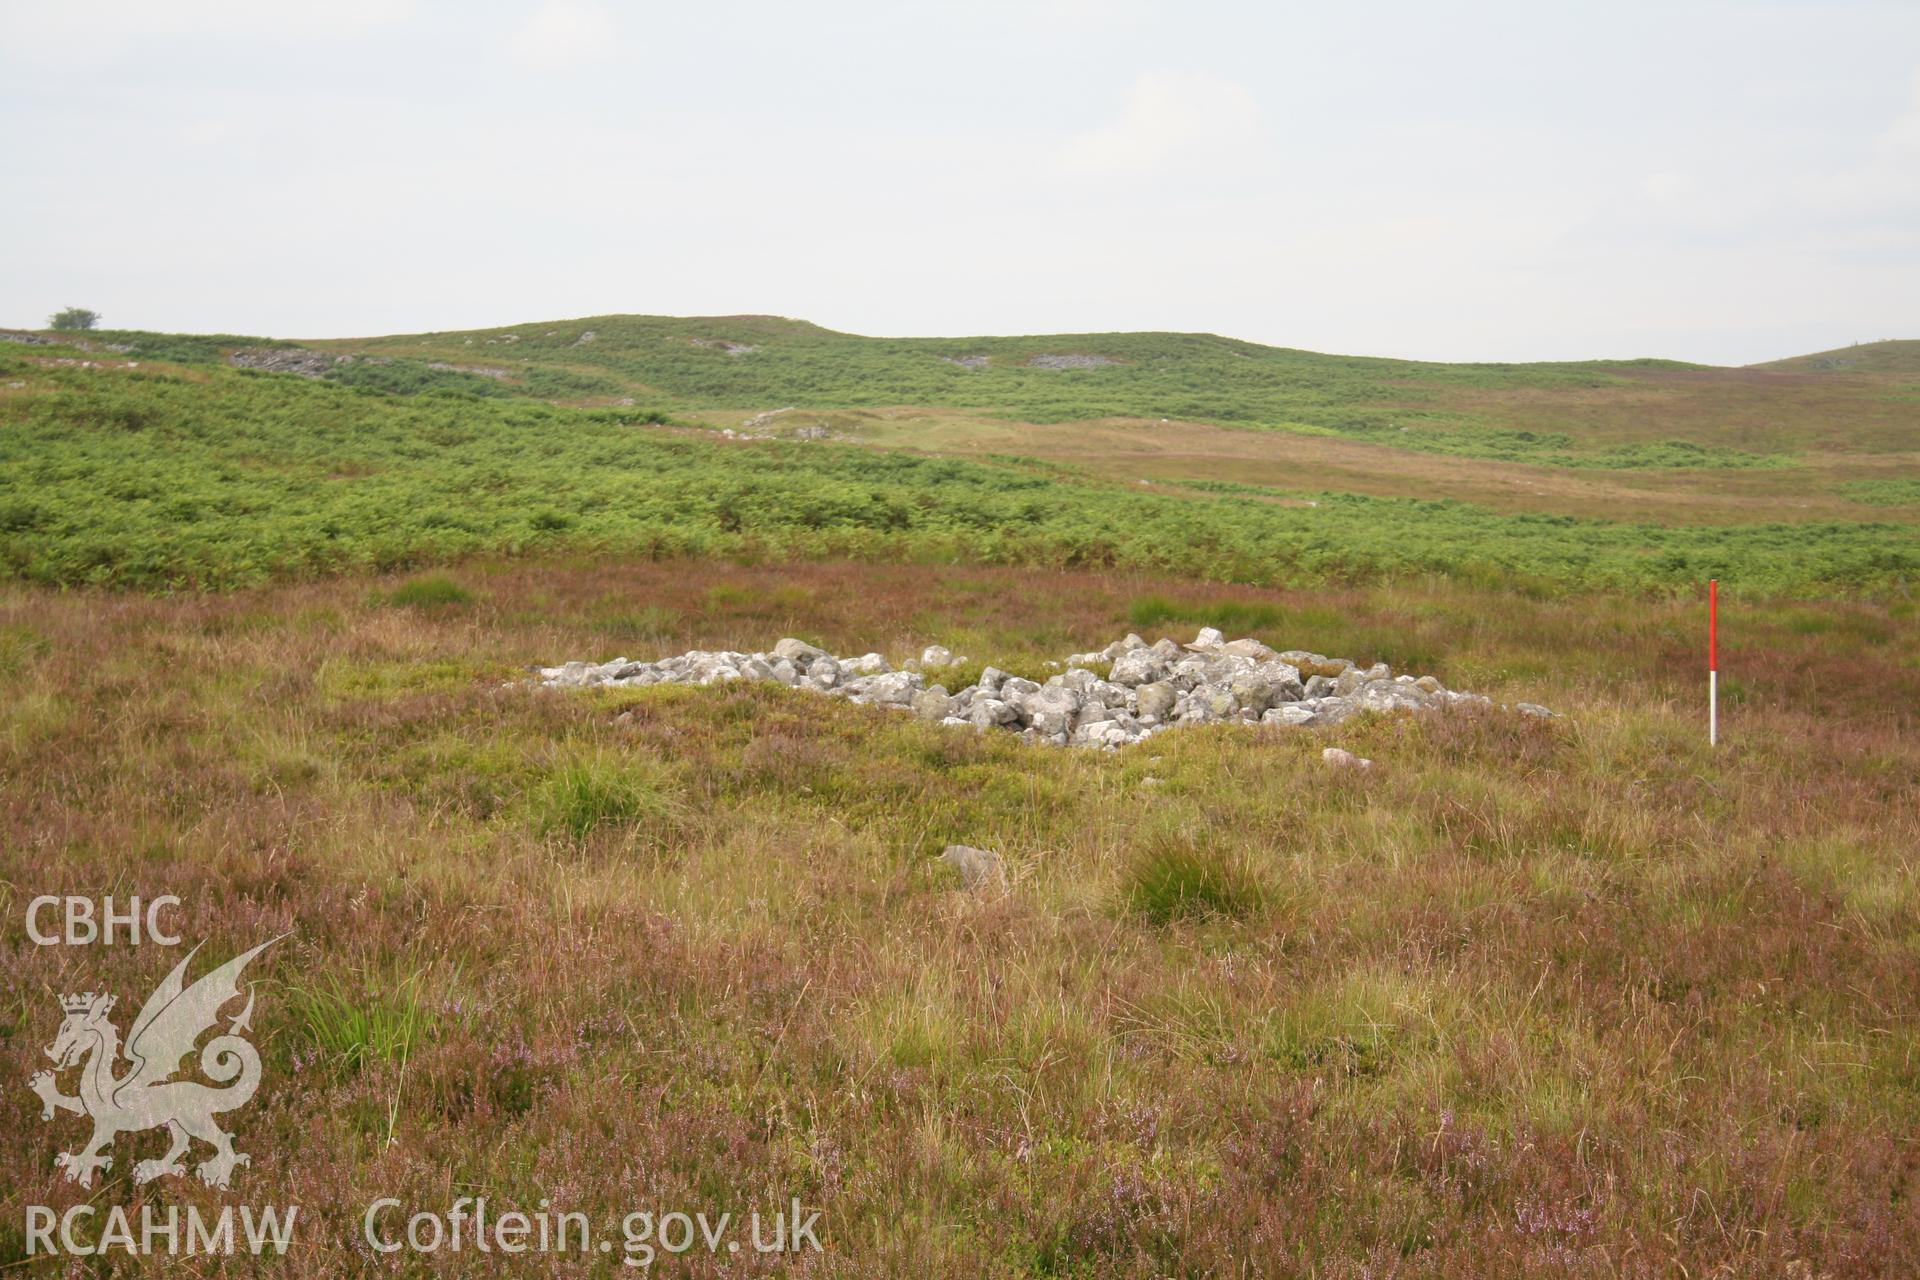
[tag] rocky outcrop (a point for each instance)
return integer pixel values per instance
(478, 370)
(1071, 361)
(298, 360)
(1146, 688)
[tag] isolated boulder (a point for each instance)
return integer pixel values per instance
(981, 870)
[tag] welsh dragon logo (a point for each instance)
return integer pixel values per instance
(146, 1096)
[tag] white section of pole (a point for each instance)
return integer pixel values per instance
(1713, 708)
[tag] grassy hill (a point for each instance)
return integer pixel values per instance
(151, 461)
(1892, 356)
(753, 363)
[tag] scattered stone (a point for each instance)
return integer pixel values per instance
(1147, 689)
(1313, 664)
(968, 362)
(991, 713)
(980, 869)
(1071, 362)
(1341, 758)
(1155, 702)
(760, 421)
(934, 704)
(890, 689)
(478, 370)
(1138, 667)
(798, 651)
(1051, 710)
(585, 338)
(296, 360)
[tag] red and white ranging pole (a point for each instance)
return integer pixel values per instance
(1713, 662)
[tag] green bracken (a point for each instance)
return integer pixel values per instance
(153, 479)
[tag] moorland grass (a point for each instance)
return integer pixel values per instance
(435, 591)
(1529, 997)
(1903, 492)
(1237, 616)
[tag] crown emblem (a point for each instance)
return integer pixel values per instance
(79, 1003)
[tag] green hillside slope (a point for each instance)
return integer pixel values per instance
(131, 472)
(1889, 356)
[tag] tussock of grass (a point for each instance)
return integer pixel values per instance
(1173, 878)
(435, 592)
(359, 1025)
(594, 792)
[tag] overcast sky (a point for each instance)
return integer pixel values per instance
(1729, 182)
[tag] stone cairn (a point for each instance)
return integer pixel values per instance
(1146, 687)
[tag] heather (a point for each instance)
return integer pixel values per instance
(1570, 996)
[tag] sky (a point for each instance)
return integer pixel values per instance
(1728, 181)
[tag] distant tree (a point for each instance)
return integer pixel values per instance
(74, 318)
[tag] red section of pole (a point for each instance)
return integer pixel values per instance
(1713, 624)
